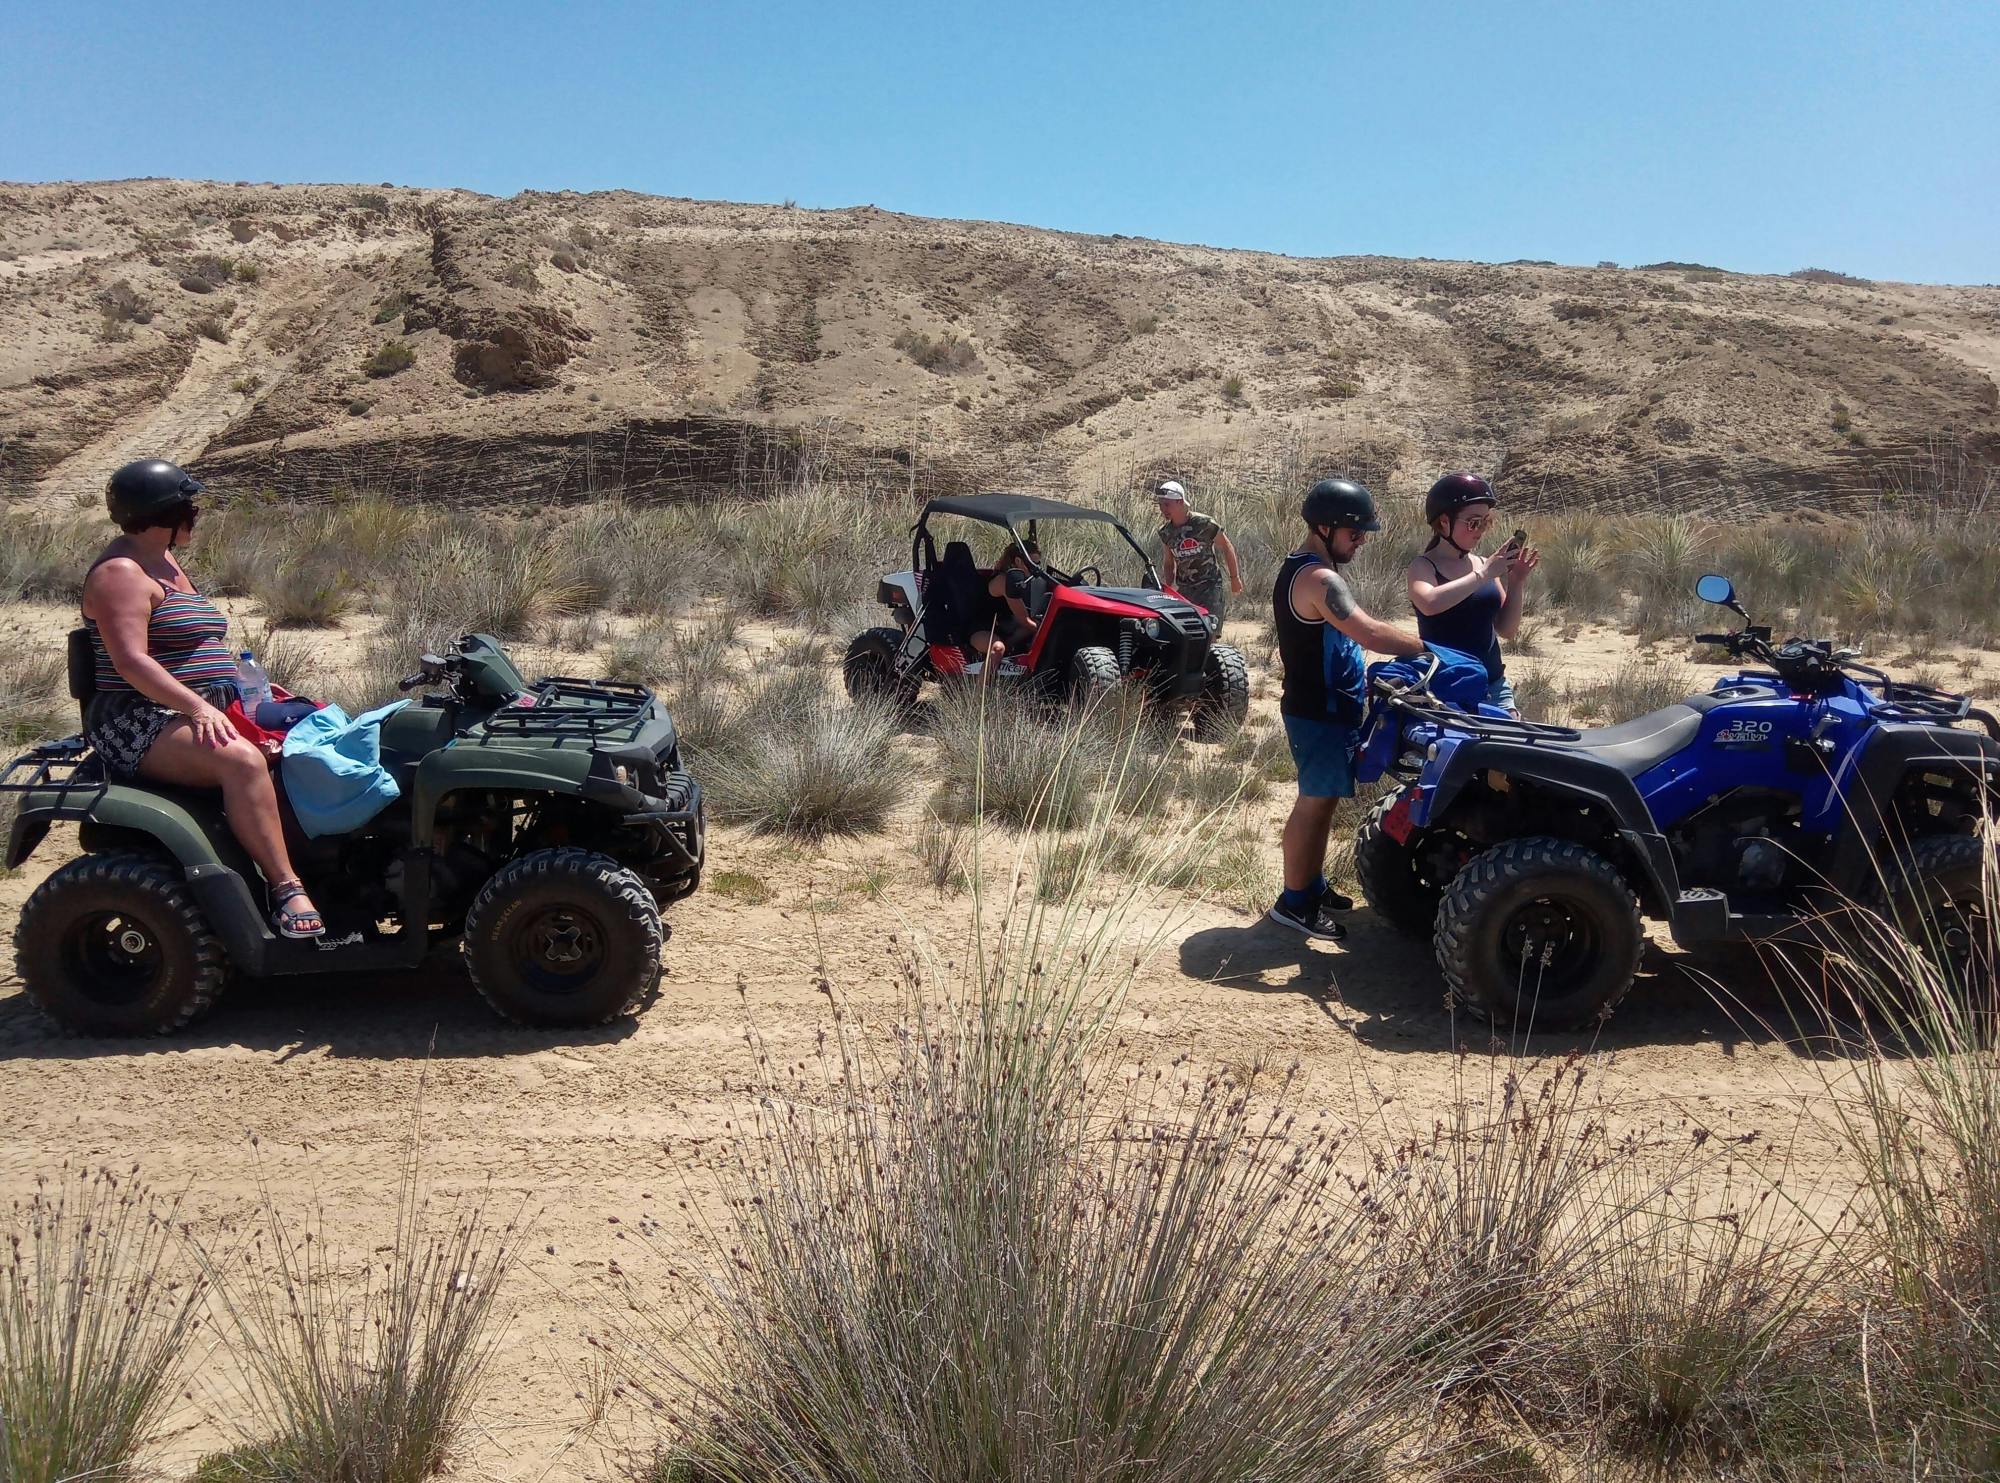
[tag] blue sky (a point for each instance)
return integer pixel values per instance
(1756, 136)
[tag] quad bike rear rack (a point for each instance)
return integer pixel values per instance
(58, 765)
(1415, 701)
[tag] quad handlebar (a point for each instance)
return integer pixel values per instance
(434, 671)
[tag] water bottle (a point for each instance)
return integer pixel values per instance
(253, 686)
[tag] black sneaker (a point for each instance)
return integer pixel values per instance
(1314, 921)
(1332, 900)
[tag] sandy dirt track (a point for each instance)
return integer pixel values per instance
(589, 1129)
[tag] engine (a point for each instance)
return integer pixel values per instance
(1745, 841)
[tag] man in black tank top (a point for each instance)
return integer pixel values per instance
(1321, 633)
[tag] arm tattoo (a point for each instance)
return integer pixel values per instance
(1339, 601)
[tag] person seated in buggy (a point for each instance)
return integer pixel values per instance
(1012, 588)
(164, 678)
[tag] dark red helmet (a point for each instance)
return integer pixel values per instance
(1454, 492)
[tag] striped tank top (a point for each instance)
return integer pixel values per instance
(185, 634)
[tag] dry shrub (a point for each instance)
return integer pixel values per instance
(1706, 1344)
(943, 354)
(1921, 1120)
(312, 589)
(804, 764)
(97, 1313)
(363, 1375)
(34, 702)
(971, 1255)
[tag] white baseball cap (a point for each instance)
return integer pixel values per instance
(1171, 489)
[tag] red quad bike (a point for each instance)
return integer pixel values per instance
(1090, 636)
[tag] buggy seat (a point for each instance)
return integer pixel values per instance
(957, 598)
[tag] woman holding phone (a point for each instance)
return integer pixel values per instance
(1463, 600)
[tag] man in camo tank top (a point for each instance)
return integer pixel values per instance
(1191, 542)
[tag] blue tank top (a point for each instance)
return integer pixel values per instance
(1325, 671)
(1467, 625)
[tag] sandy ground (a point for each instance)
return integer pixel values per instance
(590, 1131)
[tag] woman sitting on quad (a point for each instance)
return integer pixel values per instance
(164, 677)
(1013, 628)
(1463, 600)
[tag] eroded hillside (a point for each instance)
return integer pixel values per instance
(455, 346)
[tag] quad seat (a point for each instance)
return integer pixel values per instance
(1640, 745)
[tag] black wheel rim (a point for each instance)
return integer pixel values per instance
(1550, 944)
(115, 959)
(1954, 931)
(558, 949)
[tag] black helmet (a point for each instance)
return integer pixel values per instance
(147, 488)
(1454, 492)
(1340, 503)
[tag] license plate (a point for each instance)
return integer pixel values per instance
(1396, 823)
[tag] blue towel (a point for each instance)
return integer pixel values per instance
(1460, 681)
(333, 770)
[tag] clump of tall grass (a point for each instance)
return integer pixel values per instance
(808, 765)
(1707, 1342)
(46, 560)
(1006, 761)
(501, 582)
(312, 588)
(368, 1375)
(33, 703)
(1635, 688)
(975, 1254)
(1920, 1118)
(1518, 1192)
(98, 1311)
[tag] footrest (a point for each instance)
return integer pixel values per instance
(1701, 914)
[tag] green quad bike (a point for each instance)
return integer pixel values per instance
(542, 825)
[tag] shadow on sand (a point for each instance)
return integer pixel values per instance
(1384, 987)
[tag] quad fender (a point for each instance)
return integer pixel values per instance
(1865, 786)
(1566, 775)
(184, 823)
(488, 766)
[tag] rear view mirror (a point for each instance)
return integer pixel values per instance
(1717, 590)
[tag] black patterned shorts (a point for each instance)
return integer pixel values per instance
(122, 725)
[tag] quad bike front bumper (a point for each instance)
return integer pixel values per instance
(672, 821)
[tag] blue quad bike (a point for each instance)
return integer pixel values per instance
(1762, 812)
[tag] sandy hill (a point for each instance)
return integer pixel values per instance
(456, 346)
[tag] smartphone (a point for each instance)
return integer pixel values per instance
(1518, 541)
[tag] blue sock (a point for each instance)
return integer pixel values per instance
(1295, 902)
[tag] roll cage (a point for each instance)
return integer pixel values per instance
(1019, 515)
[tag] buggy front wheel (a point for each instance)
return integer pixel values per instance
(1224, 702)
(874, 669)
(1093, 674)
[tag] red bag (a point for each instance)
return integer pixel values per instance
(270, 743)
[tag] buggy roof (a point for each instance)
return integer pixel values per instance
(1010, 509)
